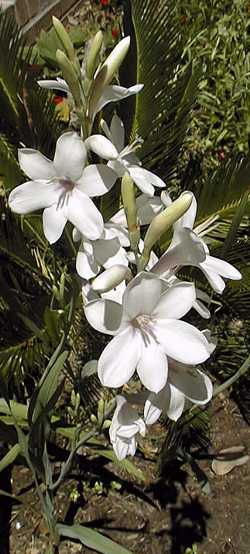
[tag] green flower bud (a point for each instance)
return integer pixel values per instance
(93, 53)
(69, 75)
(111, 278)
(161, 223)
(95, 92)
(129, 203)
(106, 74)
(64, 39)
(115, 59)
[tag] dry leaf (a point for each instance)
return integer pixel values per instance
(228, 458)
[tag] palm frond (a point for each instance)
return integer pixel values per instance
(43, 120)
(12, 68)
(10, 172)
(162, 108)
(224, 189)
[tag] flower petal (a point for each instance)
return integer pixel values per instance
(34, 195)
(141, 179)
(155, 404)
(188, 219)
(104, 315)
(119, 359)
(185, 249)
(145, 180)
(193, 383)
(176, 301)
(117, 132)
(35, 165)
(101, 146)
(115, 93)
(176, 403)
(119, 232)
(82, 213)
(54, 84)
(86, 265)
(105, 249)
(148, 208)
(96, 180)
(119, 218)
(182, 341)
(115, 294)
(70, 156)
(213, 278)
(152, 367)
(54, 222)
(121, 448)
(109, 253)
(141, 295)
(221, 267)
(201, 309)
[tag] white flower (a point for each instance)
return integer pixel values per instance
(110, 93)
(187, 248)
(184, 382)
(62, 188)
(126, 161)
(125, 426)
(104, 252)
(146, 328)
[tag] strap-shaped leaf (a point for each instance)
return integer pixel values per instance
(10, 457)
(125, 465)
(91, 539)
(41, 401)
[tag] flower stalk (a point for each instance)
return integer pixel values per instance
(129, 203)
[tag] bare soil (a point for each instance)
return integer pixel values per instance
(164, 517)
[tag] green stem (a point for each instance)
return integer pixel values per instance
(243, 369)
(67, 465)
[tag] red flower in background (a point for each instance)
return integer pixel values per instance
(57, 99)
(115, 31)
(104, 2)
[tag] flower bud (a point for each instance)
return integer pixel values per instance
(103, 147)
(93, 53)
(64, 38)
(69, 75)
(106, 74)
(115, 59)
(111, 278)
(129, 203)
(95, 92)
(162, 222)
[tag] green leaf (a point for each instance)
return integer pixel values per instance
(162, 108)
(18, 410)
(91, 539)
(10, 457)
(125, 465)
(40, 403)
(223, 191)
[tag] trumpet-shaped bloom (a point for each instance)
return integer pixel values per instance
(63, 188)
(126, 425)
(184, 383)
(187, 248)
(126, 160)
(146, 329)
(104, 252)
